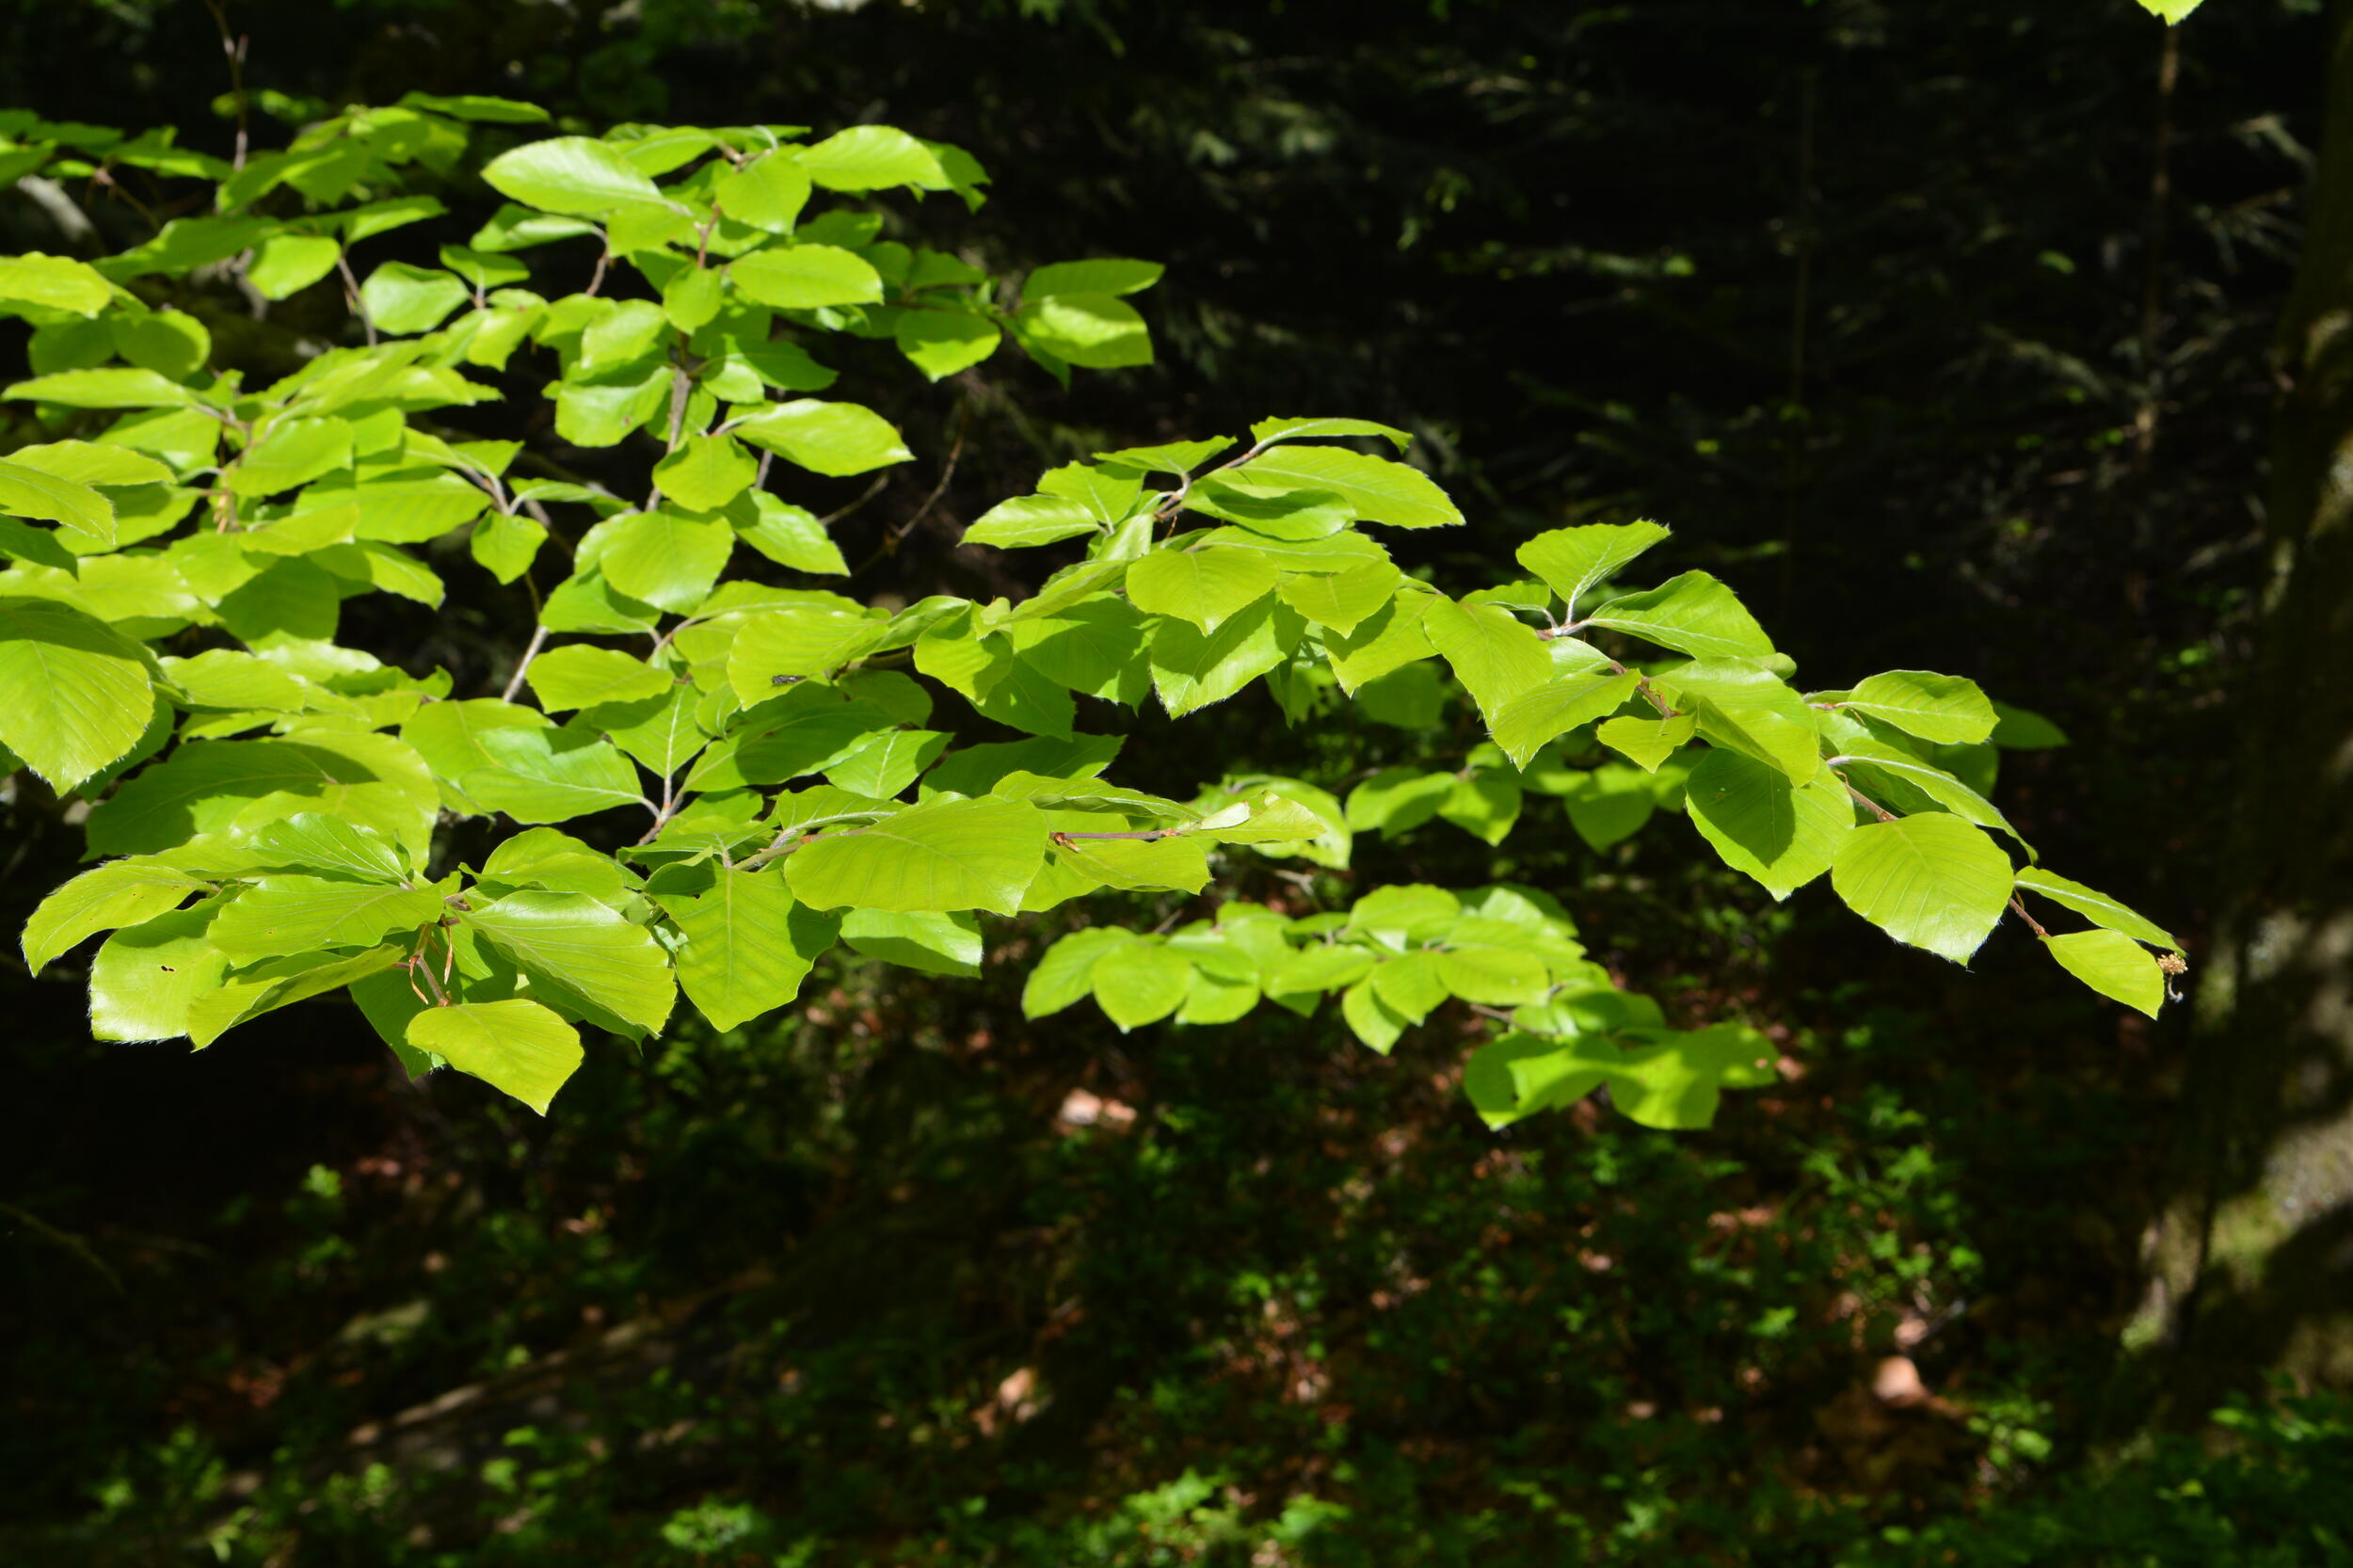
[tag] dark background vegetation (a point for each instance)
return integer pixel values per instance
(1941, 332)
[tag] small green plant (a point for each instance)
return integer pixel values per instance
(718, 776)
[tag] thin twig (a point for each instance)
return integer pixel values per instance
(351, 295)
(68, 1242)
(871, 491)
(235, 49)
(1866, 801)
(680, 387)
(891, 537)
(531, 651)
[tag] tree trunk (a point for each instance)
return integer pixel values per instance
(2251, 1265)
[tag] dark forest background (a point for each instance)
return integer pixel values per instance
(1944, 333)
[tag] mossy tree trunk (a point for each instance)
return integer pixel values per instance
(2251, 1265)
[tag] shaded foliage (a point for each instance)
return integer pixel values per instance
(1860, 298)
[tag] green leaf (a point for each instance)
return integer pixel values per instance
(408, 507)
(29, 493)
(1030, 519)
(1095, 330)
(282, 915)
(1204, 586)
(517, 1047)
(599, 407)
(2096, 907)
(575, 175)
(1065, 971)
(1877, 761)
(474, 105)
(2169, 11)
(1610, 804)
(1341, 599)
(1413, 698)
(1216, 999)
(1139, 983)
(704, 475)
(89, 463)
(484, 270)
(21, 541)
(1572, 560)
(803, 640)
(1139, 864)
(2018, 729)
(79, 693)
(1673, 1084)
(883, 766)
(1930, 881)
(550, 776)
(789, 535)
(53, 282)
(1398, 800)
(1095, 645)
(1375, 489)
(105, 389)
(580, 675)
(692, 299)
(1485, 805)
(804, 277)
(941, 857)
(276, 983)
(933, 944)
(869, 157)
(1373, 1020)
(2113, 965)
(400, 298)
(808, 729)
(1495, 657)
(542, 858)
(1388, 639)
(832, 439)
(1782, 835)
(767, 193)
(1693, 614)
(1269, 431)
(1102, 276)
(749, 944)
(583, 948)
(1536, 716)
(665, 557)
(292, 452)
(1648, 740)
(1745, 708)
(447, 735)
(1942, 708)
(313, 840)
(1321, 967)
(119, 893)
(1271, 509)
(1192, 669)
(145, 976)
(214, 786)
(170, 343)
(1411, 986)
(941, 342)
(1492, 974)
(513, 227)
(285, 264)
(378, 217)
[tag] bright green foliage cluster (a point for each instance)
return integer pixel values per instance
(269, 805)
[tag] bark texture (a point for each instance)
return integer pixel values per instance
(2251, 1264)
